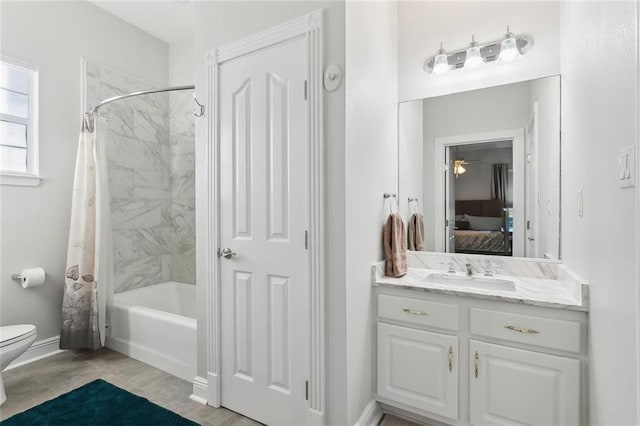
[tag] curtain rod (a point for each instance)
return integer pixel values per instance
(144, 92)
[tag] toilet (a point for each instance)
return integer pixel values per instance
(14, 341)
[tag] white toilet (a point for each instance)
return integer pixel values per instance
(14, 341)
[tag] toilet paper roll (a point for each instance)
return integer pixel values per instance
(32, 277)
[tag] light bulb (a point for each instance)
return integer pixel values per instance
(474, 57)
(440, 62)
(509, 47)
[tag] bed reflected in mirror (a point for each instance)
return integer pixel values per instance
(485, 167)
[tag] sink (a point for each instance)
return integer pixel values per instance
(486, 283)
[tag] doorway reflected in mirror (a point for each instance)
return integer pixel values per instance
(486, 165)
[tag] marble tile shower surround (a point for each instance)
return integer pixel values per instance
(539, 282)
(149, 143)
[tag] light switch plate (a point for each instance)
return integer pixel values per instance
(627, 167)
(580, 204)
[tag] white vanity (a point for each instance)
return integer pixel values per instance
(506, 345)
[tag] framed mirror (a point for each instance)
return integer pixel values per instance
(482, 169)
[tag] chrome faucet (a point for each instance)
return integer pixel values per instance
(469, 269)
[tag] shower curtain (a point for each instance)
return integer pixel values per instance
(88, 255)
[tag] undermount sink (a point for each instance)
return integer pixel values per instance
(487, 283)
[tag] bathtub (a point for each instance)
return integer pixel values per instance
(156, 325)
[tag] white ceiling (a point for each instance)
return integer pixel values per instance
(169, 20)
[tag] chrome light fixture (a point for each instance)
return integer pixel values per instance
(506, 49)
(473, 55)
(440, 62)
(509, 47)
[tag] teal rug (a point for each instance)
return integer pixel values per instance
(97, 403)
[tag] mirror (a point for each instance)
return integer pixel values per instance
(483, 169)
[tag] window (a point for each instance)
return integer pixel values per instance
(18, 123)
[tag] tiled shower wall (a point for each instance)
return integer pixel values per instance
(149, 143)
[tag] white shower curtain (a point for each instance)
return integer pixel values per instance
(88, 255)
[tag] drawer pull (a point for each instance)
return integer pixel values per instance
(412, 312)
(450, 359)
(521, 330)
(477, 362)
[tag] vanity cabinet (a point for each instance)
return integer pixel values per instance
(514, 386)
(460, 360)
(419, 368)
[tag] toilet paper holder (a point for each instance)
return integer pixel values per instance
(18, 277)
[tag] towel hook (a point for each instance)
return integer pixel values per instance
(413, 208)
(195, 111)
(386, 196)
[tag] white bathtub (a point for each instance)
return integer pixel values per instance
(156, 325)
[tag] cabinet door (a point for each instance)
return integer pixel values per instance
(418, 369)
(517, 387)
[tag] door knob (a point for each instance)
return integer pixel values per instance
(227, 253)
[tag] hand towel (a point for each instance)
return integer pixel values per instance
(416, 232)
(395, 246)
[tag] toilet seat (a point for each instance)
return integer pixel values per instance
(11, 334)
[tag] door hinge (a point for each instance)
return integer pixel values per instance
(305, 90)
(306, 240)
(306, 390)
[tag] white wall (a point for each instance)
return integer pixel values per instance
(424, 24)
(410, 162)
(35, 221)
(181, 63)
(478, 111)
(371, 170)
(600, 116)
(218, 23)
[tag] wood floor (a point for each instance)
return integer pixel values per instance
(39, 381)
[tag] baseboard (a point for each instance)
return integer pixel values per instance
(40, 349)
(200, 390)
(371, 415)
(176, 367)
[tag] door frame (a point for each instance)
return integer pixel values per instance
(309, 26)
(441, 143)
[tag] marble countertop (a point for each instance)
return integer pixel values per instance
(564, 291)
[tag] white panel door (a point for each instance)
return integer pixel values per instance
(450, 202)
(419, 369)
(264, 214)
(519, 387)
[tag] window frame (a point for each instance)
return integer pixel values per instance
(32, 175)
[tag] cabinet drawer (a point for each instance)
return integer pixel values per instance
(418, 311)
(543, 332)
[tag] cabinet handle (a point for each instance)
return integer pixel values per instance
(412, 312)
(521, 330)
(477, 362)
(450, 359)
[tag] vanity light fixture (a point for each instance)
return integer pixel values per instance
(508, 48)
(440, 62)
(473, 56)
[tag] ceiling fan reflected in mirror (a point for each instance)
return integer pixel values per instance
(458, 168)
